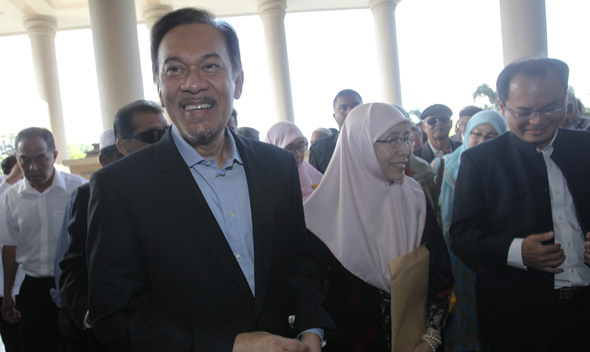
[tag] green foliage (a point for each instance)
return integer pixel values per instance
(78, 151)
(486, 92)
(7, 145)
(415, 115)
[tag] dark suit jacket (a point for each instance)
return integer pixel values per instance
(321, 152)
(502, 193)
(162, 275)
(426, 153)
(74, 278)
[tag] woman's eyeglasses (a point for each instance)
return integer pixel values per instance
(396, 142)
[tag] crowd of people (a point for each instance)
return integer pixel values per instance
(385, 237)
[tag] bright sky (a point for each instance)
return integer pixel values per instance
(446, 50)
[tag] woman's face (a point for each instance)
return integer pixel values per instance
(481, 134)
(298, 148)
(392, 150)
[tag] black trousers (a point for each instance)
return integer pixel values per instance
(10, 335)
(38, 325)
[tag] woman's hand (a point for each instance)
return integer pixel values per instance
(423, 346)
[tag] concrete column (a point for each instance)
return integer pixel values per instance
(152, 14)
(116, 50)
(41, 31)
(524, 29)
(272, 13)
(387, 53)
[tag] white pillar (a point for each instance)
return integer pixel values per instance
(152, 14)
(387, 53)
(524, 29)
(41, 31)
(272, 13)
(116, 50)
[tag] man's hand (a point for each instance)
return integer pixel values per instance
(262, 341)
(9, 314)
(313, 341)
(587, 251)
(542, 257)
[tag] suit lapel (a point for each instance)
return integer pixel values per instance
(181, 192)
(259, 178)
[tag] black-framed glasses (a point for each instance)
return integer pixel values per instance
(149, 137)
(396, 142)
(528, 113)
(433, 120)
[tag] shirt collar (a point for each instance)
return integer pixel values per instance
(191, 157)
(548, 150)
(58, 181)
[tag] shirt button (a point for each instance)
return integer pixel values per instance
(569, 244)
(238, 256)
(560, 218)
(218, 177)
(231, 214)
(208, 163)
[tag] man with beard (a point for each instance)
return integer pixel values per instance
(198, 242)
(34, 212)
(436, 124)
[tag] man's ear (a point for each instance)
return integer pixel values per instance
(122, 146)
(502, 108)
(160, 95)
(55, 152)
(239, 84)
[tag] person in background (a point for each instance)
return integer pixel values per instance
(320, 133)
(436, 124)
(286, 135)
(464, 116)
(463, 331)
(34, 212)
(249, 132)
(321, 152)
(573, 117)
(417, 141)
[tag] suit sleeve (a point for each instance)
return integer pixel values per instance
(303, 280)
(470, 229)
(119, 294)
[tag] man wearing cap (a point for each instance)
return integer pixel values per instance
(436, 124)
(34, 212)
(137, 125)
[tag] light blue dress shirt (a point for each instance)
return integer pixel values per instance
(226, 191)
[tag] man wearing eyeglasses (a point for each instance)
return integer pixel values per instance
(436, 124)
(34, 210)
(522, 215)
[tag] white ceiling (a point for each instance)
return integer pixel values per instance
(73, 14)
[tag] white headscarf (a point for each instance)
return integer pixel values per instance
(364, 219)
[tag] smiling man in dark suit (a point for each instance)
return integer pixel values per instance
(198, 243)
(522, 215)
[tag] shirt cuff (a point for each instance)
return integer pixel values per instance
(319, 332)
(515, 254)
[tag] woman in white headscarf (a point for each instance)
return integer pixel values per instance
(286, 135)
(368, 212)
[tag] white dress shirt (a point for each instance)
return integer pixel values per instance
(33, 221)
(566, 228)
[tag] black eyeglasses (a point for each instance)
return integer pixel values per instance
(434, 120)
(528, 113)
(149, 137)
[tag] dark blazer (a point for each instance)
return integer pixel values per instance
(321, 152)
(426, 153)
(74, 278)
(162, 275)
(502, 193)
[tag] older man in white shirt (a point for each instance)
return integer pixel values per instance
(34, 211)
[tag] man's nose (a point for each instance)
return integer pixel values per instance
(194, 82)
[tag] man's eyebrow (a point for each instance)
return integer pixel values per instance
(204, 57)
